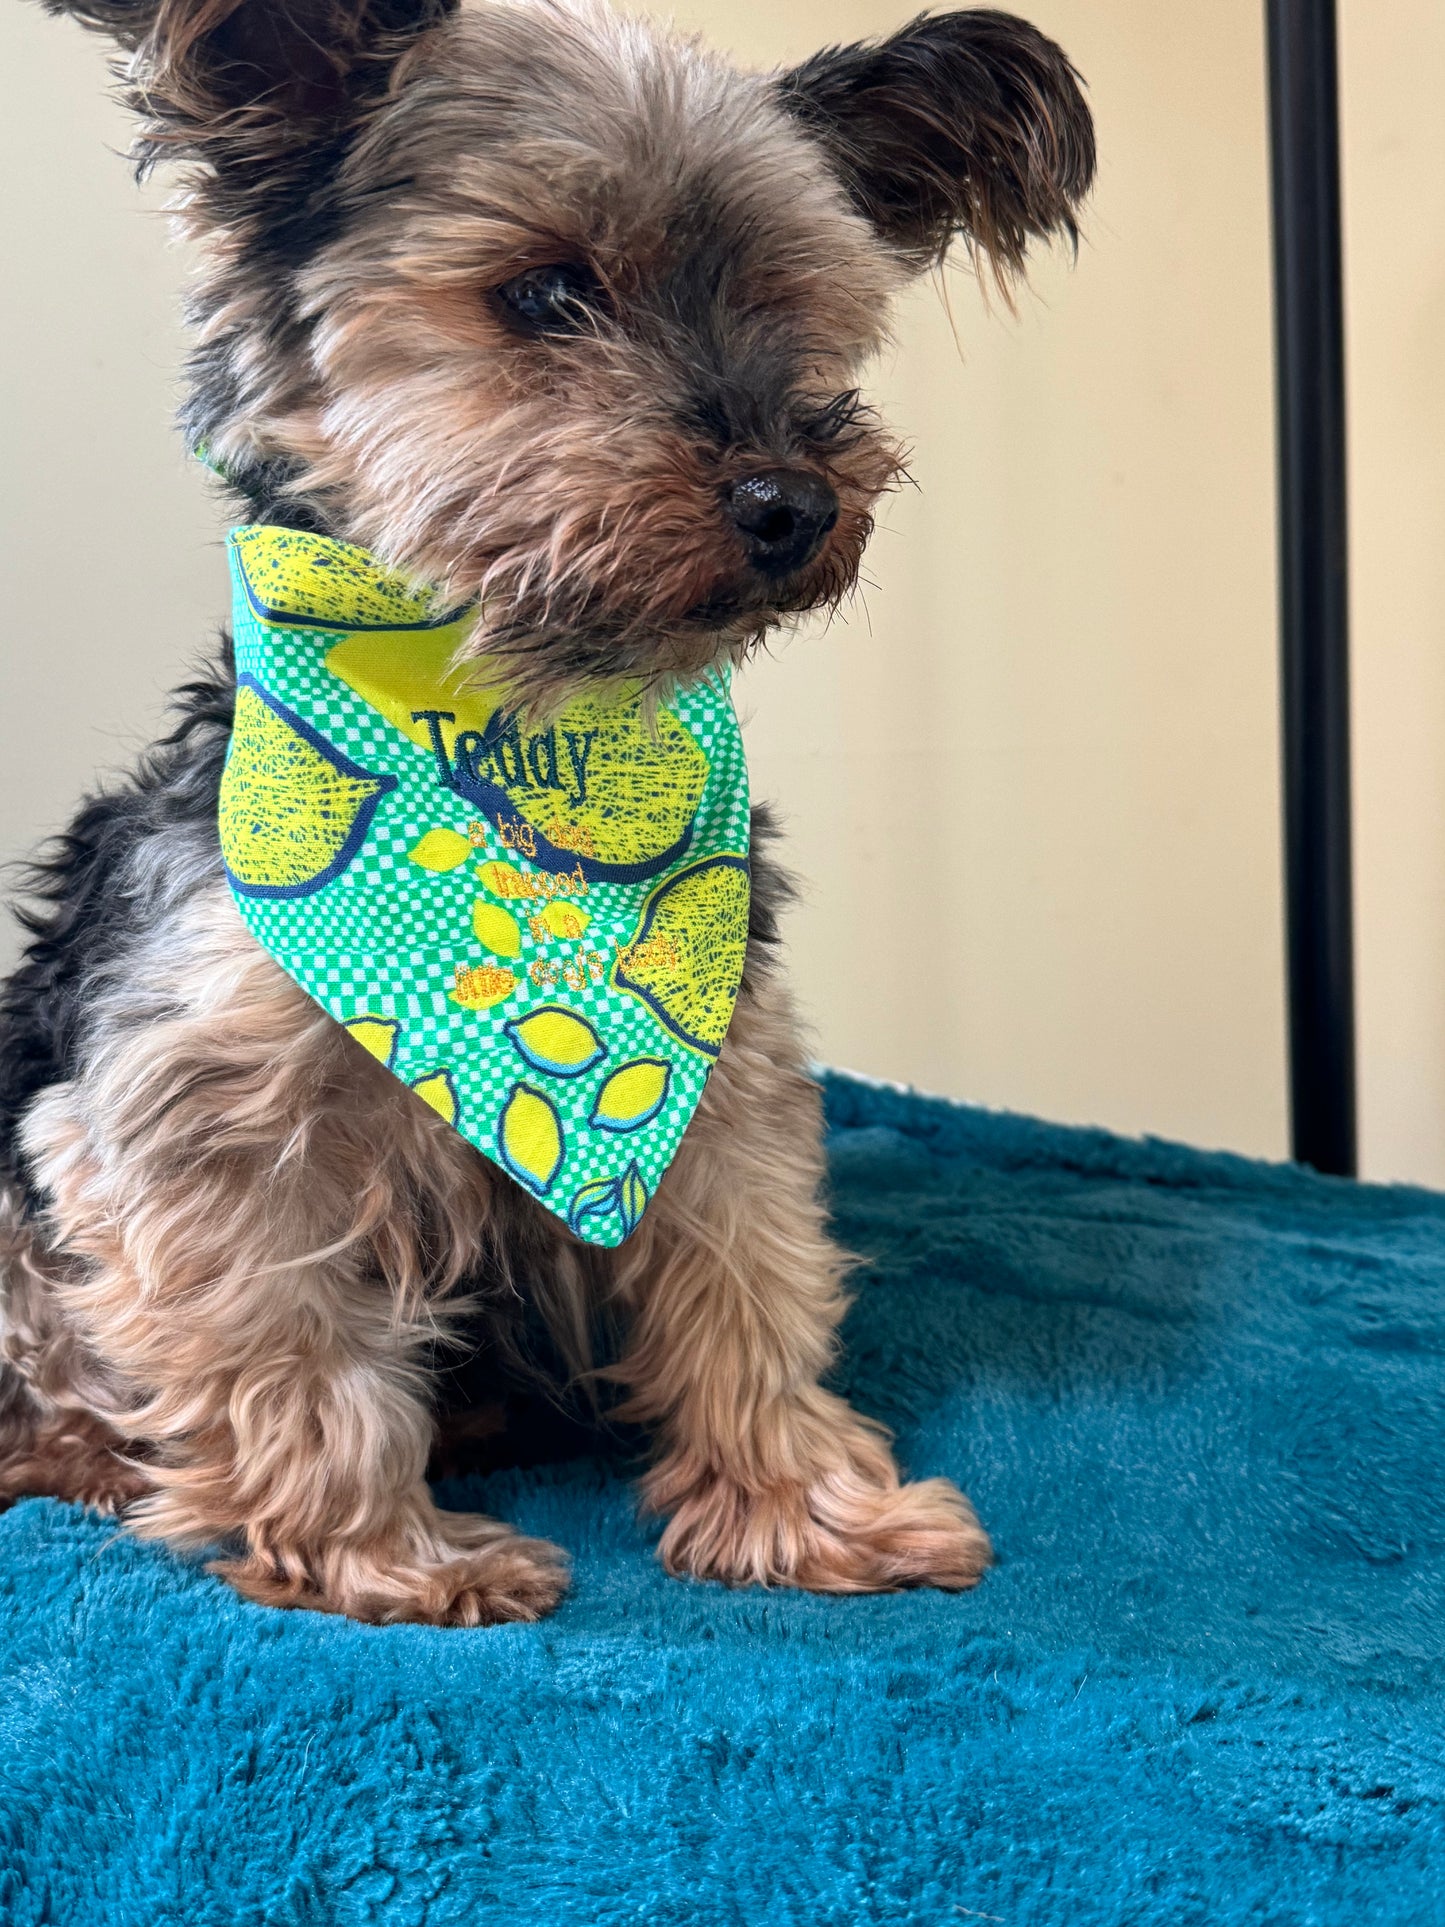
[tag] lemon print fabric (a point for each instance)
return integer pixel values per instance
(537, 928)
(566, 920)
(633, 1095)
(605, 786)
(607, 1200)
(288, 576)
(376, 1035)
(438, 1090)
(686, 959)
(554, 1039)
(441, 850)
(529, 1137)
(496, 929)
(294, 809)
(479, 986)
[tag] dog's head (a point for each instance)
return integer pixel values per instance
(565, 314)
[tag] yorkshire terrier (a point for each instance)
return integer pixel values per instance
(541, 327)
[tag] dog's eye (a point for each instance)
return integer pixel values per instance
(554, 300)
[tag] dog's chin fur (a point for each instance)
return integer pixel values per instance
(544, 664)
(240, 1263)
(544, 658)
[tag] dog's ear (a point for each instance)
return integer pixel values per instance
(961, 124)
(232, 81)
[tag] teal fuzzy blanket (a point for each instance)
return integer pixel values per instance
(1197, 1401)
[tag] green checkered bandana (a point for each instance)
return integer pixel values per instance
(539, 929)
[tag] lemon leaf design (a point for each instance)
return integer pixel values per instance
(627, 1196)
(294, 811)
(632, 1095)
(441, 850)
(566, 920)
(685, 961)
(596, 1200)
(556, 1040)
(437, 1089)
(497, 929)
(375, 1034)
(631, 1199)
(529, 1138)
(481, 986)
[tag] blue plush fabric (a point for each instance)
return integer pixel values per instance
(1198, 1402)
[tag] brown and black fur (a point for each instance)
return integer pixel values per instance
(237, 1256)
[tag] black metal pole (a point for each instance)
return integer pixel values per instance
(1313, 556)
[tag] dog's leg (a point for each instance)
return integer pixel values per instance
(258, 1219)
(733, 1288)
(52, 1445)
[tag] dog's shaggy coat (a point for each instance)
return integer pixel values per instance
(526, 298)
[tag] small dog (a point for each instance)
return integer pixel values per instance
(562, 317)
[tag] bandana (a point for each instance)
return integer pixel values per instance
(540, 930)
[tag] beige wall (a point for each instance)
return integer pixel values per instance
(1031, 783)
(1393, 62)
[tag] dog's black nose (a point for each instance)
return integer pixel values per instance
(784, 516)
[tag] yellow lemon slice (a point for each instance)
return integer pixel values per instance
(556, 1040)
(632, 1095)
(441, 850)
(497, 929)
(294, 811)
(316, 582)
(686, 959)
(529, 1138)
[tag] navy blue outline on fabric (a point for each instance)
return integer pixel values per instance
(278, 618)
(725, 859)
(525, 1178)
(538, 1063)
(617, 1125)
(344, 766)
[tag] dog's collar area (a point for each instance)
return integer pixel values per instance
(539, 928)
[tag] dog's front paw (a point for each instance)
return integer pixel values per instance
(912, 1535)
(841, 1533)
(489, 1575)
